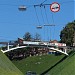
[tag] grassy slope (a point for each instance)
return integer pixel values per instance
(32, 63)
(7, 67)
(67, 67)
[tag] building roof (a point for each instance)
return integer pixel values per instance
(53, 41)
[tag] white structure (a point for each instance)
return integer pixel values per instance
(58, 44)
(36, 44)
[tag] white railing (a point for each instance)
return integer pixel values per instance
(13, 48)
(35, 44)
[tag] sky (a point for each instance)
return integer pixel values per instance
(15, 23)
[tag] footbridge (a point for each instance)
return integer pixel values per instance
(36, 44)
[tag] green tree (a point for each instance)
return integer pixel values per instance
(37, 37)
(27, 36)
(67, 34)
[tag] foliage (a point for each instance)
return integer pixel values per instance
(37, 37)
(67, 34)
(27, 36)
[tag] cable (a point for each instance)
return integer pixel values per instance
(37, 15)
(47, 21)
(15, 23)
(43, 1)
(46, 15)
(43, 20)
(42, 15)
(9, 4)
(52, 18)
(53, 23)
(33, 5)
(67, 2)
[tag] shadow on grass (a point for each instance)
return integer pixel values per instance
(56, 64)
(72, 53)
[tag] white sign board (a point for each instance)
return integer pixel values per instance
(55, 7)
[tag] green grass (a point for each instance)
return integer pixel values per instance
(7, 67)
(66, 67)
(38, 64)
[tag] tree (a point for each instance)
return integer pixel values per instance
(67, 34)
(37, 37)
(27, 36)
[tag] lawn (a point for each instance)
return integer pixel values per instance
(42, 65)
(7, 67)
(66, 67)
(38, 64)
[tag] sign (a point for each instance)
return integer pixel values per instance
(55, 7)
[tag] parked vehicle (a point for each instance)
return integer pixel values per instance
(30, 73)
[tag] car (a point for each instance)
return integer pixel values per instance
(30, 73)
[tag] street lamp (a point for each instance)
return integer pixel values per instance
(39, 27)
(22, 8)
(49, 25)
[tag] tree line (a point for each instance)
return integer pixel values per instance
(67, 34)
(28, 37)
(24, 52)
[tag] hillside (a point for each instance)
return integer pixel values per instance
(38, 64)
(7, 67)
(66, 67)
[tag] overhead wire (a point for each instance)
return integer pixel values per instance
(54, 25)
(66, 2)
(42, 19)
(9, 4)
(52, 17)
(43, 1)
(33, 5)
(37, 15)
(46, 14)
(47, 20)
(15, 23)
(41, 12)
(42, 15)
